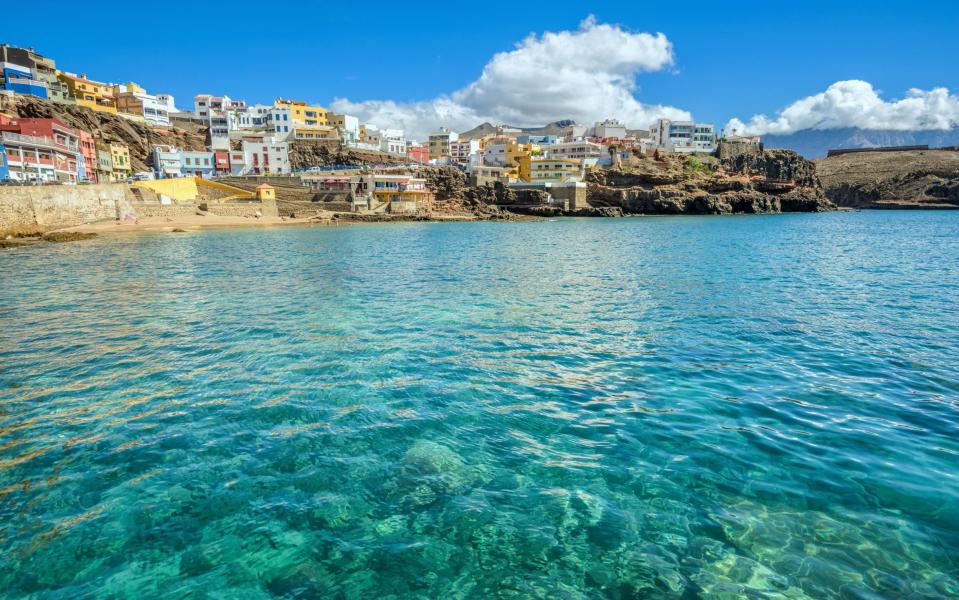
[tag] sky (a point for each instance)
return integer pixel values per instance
(757, 67)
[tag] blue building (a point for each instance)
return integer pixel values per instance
(536, 139)
(4, 165)
(20, 80)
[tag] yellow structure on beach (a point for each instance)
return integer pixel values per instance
(265, 191)
(183, 189)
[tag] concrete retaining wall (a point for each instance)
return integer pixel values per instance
(54, 206)
(267, 208)
(146, 210)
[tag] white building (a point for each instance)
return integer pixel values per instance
(609, 129)
(574, 132)
(280, 122)
(166, 161)
(347, 125)
(393, 141)
(168, 101)
(262, 156)
(462, 150)
(219, 114)
(590, 153)
(683, 136)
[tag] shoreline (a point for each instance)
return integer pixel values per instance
(212, 222)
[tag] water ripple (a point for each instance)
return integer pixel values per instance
(670, 408)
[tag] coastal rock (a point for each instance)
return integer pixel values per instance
(67, 236)
(305, 154)
(747, 181)
(898, 179)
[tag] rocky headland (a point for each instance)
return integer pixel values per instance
(740, 180)
(912, 179)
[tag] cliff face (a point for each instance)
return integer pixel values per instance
(740, 182)
(910, 179)
(107, 127)
(307, 154)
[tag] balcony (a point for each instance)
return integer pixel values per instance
(28, 140)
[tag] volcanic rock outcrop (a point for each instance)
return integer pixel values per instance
(752, 181)
(904, 179)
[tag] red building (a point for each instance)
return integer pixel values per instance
(418, 154)
(41, 149)
(221, 162)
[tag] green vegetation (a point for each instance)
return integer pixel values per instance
(694, 165)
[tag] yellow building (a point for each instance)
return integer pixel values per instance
(515, 153)
(130, 88)
(91, 94)
(557, 170)
(120, 154)
(303, 114)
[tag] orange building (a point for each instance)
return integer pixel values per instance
(91, 94)
(88, 150)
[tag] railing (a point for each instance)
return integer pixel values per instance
(20, 79)
(8, 136)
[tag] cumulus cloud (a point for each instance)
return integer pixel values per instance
(855, 103)
(586, 75)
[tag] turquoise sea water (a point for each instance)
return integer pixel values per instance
(717, 407)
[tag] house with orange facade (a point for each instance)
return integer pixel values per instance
(87, 170)
(91, 94)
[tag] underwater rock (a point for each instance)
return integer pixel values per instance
(430, 458)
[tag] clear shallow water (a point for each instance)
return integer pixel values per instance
(660, 407)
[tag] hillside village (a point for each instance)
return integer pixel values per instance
(262, 139)
(59, 127)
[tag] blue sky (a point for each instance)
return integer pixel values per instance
(728, 60)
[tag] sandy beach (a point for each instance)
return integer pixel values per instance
(192, 223)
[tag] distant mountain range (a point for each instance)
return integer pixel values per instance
(814, 143)
(554, 128)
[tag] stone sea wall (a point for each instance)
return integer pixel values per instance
(241, 209)
(144, 210)
(55, 206)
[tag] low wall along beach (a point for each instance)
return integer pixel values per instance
(46, 207)
(54, 206)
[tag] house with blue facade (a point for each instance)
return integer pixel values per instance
(536, 139)
(4, 164)
(20, 80)
(197, 164)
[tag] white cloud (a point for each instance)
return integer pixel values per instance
(586, 75)
(855, 103)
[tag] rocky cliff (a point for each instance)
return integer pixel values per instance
(909, 179)
(305, 154)
(749, 181)
(107, 127)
